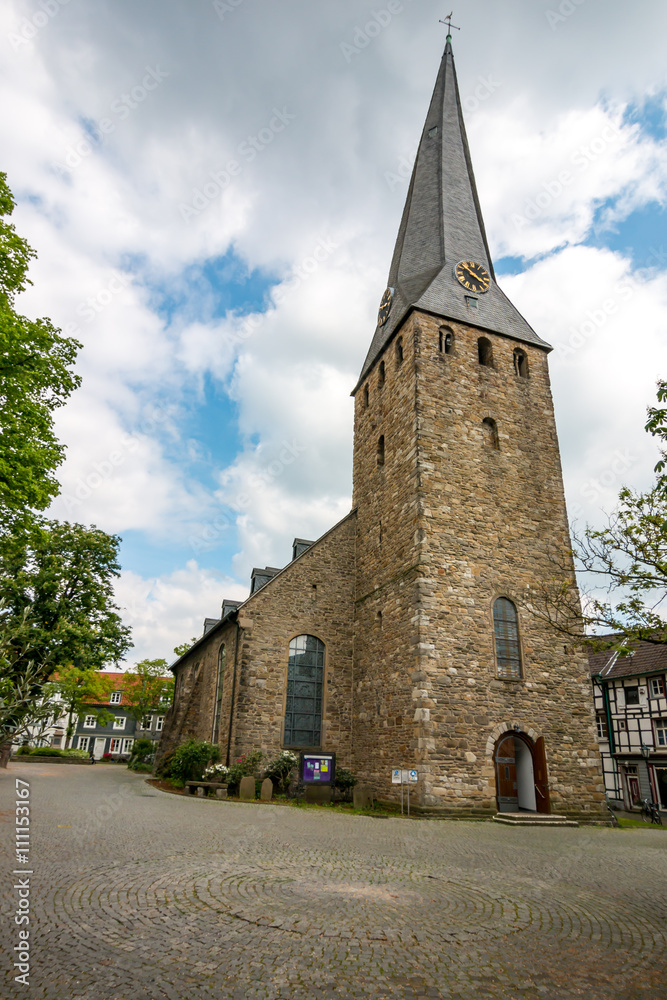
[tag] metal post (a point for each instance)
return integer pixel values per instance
(408, 793)
(401, 792)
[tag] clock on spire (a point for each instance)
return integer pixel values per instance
(442, 262)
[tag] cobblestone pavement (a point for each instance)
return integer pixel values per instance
(142, 895)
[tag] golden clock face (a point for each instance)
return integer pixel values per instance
(385, 306)
(474, 277)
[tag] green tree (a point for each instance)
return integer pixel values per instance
(35, 379)
(184, 647)
(627, 559)
(147, 688)
(57, 610)
(74, 691)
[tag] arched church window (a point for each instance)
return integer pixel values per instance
(399, 351)
(445, 340)
(485, 352)
(381, 450)
(506, 632)
(382, 374)
(521, 363)
(222, 655)
(305, 685)
(490, 433)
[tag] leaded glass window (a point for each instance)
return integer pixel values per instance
(506, 629)
(305, 681)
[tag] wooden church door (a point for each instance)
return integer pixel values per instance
(508, 800)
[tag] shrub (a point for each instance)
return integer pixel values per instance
(280, 769)
(106, 756)
(46, 752)
(83, 754)
(189, 760)
(245, 765)
(141, 749)
(344, 780)
(23, 749)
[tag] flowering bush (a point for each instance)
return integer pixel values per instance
(248, 764)
(216, 772)
(280, 769)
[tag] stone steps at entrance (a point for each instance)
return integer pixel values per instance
(533, 819)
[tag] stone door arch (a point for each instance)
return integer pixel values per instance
(521, 773)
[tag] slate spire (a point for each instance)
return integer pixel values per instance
(442, 224)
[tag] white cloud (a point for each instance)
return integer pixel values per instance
(318, 181)
(169, 610)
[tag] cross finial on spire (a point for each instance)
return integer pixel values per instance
(448, 22)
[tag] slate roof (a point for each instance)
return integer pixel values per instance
(441, 225)
(647, 658)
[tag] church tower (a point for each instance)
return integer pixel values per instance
(460, 513)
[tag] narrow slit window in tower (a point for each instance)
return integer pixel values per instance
(490, 432)
(382, 374)
(485, 352)
(520, 363)
(399, 351)
(366, 396)
(381, 450)
(445, 340)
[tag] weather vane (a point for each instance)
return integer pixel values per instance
(448, 22)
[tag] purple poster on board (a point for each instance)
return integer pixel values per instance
(318, 768)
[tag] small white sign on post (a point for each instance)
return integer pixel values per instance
(404, 776)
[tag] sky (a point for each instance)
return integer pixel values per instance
(214, 187)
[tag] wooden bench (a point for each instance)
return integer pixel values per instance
(203, 788)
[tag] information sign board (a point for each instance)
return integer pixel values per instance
(318, 768)
(401, 776)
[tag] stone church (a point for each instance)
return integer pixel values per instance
(401, 637)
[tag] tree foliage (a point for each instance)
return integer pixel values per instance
(147, 688)
(57, 609)
(56, 595)
(36, 378)
(627, 558)
(183, 647)
(74, 691)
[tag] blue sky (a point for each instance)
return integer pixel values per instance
(221, 341)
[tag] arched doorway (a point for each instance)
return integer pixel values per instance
(521, 774)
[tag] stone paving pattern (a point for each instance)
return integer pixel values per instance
(142, 895)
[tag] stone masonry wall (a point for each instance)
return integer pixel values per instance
(496, 525)
(462, 523)
(387, 498)
(312, 596)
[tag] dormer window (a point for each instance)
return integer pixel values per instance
(115, 698)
